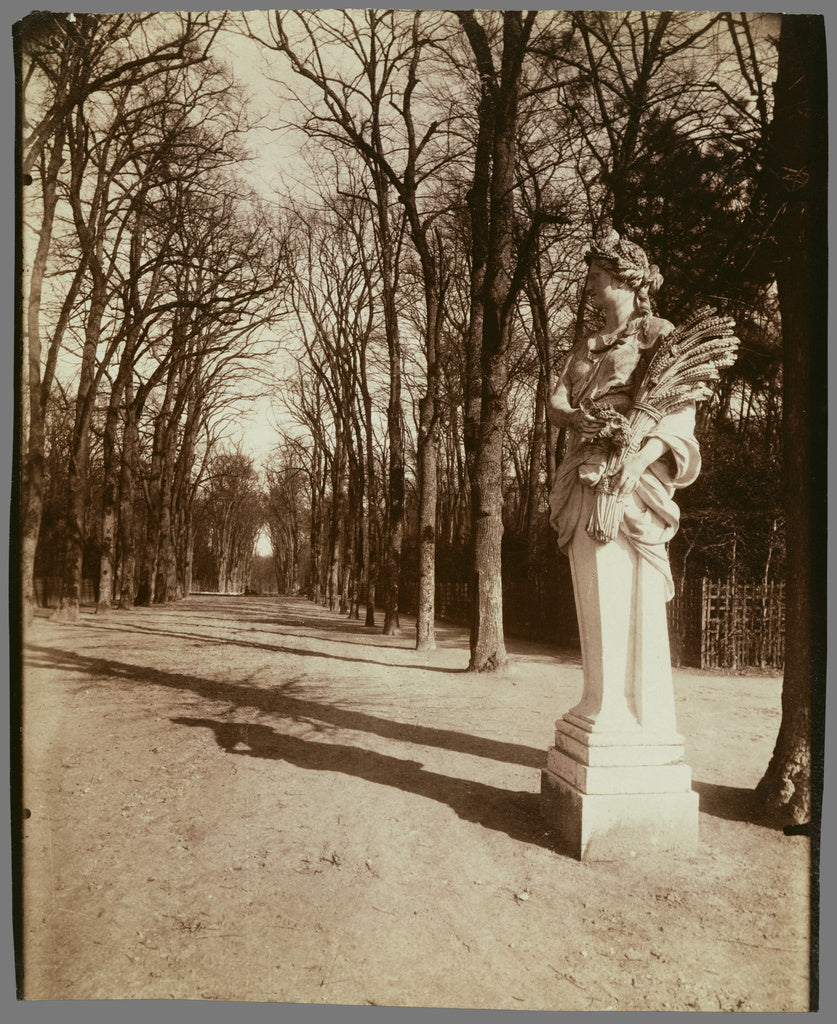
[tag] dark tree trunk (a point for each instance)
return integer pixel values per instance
(156, 491)
(494, 287)
(488, 650)
(534, 472)
(182, 498)
(110, 472)
(127, 511)
(370, 570)
(428, 470)
(797, 183)
(165, 589)
(395, 428)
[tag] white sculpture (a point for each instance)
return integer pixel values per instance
(626, 397)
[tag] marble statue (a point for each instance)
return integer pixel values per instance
(627, 397)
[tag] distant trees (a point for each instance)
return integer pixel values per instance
(286, 503)
(228, 516)
(376, 103)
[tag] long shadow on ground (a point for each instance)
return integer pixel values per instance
(294, 613)
(727, 802)
(280, 700)
(515, 813)
(202, 639)
(299, 617)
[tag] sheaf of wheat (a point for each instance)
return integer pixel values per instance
(681, 371)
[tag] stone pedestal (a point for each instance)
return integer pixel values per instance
(615, 782)
(616, 794)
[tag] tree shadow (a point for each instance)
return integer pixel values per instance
(202, 638)
(281, 700)
(446, 634)
(734, 803)
(292, 613)
(343, 626)
(517, 813)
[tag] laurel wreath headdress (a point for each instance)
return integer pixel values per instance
(626, 261)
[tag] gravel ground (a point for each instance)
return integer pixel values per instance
(256, 799)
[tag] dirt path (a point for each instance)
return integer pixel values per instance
(254, 799)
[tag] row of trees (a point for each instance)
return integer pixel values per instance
(425, 282)
(149, 276)
(463, 162)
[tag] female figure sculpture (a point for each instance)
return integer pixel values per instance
(621, 586)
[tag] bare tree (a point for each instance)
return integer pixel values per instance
(495, 284)
(63, 62)
(388, 67)
(337, 310)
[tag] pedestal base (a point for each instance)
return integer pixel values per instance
(616, 826)
(618, 796)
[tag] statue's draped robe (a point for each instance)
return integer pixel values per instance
(621, 587)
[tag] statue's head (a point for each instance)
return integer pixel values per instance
(626, 262)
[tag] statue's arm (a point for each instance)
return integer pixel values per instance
(558, 409)
(562, 414)
(632, 468)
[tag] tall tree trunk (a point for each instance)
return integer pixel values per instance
(188, 551)
(127, 513)
(165, 589)
(428, 496)
(370, 560)
(353, 531)
(492, 203)
(395, 427)
(184, 492)
(70, 601)
(155, 495)
(395, 417)
(335, 528)
(36, 389)
(428, 441)
(314, 572)
(488, 650)
(797, 164)
(110, 473)
(77, 483)
(347, 556)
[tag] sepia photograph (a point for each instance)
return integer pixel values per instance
(417, 581)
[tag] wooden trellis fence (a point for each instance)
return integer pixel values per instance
(721, 624)
(742, 624)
